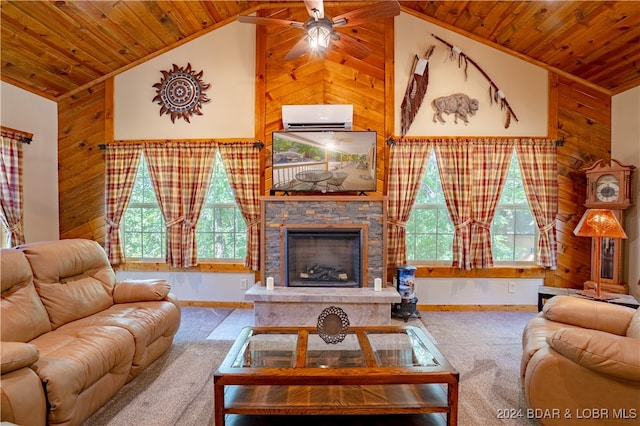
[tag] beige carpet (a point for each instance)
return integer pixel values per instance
(178, 388)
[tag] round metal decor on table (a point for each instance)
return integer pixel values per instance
(333, 325)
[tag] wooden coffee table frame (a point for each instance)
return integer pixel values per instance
(405, 390)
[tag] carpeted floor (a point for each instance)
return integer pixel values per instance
(178, 388)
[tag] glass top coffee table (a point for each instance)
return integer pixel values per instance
(373, 370)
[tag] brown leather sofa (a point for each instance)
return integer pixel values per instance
(581, 363)
(71, 334)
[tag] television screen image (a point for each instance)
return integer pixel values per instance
(324, 161)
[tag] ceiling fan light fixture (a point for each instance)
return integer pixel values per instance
(319, 34)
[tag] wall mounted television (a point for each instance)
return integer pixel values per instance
(324, 161)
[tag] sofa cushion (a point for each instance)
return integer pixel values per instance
(605, 353)
(588, 313)
(72, 277)
(82, 368)
(634, 326)
(23, 315)
(534, 337)
(16, 355)
(146, 321)
(140, 290)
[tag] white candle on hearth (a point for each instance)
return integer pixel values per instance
(269, 283)
(377, 284)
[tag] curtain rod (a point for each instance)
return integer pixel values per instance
(256, 144)
(392, 141)
(23, 137)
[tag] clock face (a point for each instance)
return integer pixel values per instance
(607, 189)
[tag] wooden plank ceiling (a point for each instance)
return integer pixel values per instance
(58, 48)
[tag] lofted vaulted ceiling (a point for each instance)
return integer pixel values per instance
(58, 48)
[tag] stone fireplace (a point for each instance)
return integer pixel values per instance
(323, 241)
(322, 251)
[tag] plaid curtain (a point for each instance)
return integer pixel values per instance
(242, 164)
(490, 164)
(539, 166)
(121, 165)
(407, 163)
(455, 165)
(11, 201)
(181, 173)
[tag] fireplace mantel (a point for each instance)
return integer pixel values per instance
(329, 211)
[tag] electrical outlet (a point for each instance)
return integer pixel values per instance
(243, 284)
(512, 286)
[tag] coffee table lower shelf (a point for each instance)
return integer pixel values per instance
(337, 399)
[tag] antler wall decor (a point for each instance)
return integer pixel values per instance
(495, 94)
(416, 89)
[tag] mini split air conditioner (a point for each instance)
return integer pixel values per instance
(317, 117)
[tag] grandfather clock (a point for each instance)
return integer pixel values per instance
(609, 187)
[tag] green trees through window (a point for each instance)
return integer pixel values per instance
(430, 230)
(220, 233)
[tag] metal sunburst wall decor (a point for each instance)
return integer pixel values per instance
(181, 93)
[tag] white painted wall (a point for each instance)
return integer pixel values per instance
(625, 147)
(525, 85)
(22, 110)
(227, 58)
(478, 291)
(200, 286)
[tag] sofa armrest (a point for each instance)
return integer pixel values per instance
(17, 355)
(140, 291)
(602, 352)
(589, 314)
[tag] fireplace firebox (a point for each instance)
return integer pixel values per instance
(331, 257)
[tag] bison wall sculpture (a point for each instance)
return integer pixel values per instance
(458, 104)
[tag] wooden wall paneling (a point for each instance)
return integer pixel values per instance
(584, 122)
(335, 78)
(109, 110)
(260, 114)
(81, 128)
(389, 108)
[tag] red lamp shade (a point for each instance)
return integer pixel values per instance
(599, 223)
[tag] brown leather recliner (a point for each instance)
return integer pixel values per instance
(71, 334)
(581, 363)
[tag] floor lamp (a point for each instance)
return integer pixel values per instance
(599, 224)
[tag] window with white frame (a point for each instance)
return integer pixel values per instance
(220, 233)
(429, 230)
(513, 229)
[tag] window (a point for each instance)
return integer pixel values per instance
(143, 229)
(221, 230)
(513, 230)
(429, 231)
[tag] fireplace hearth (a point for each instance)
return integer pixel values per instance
(323, 257)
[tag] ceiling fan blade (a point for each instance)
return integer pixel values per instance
(312, 5)
(300, 48)
(260, 20)
(383, 9)
(351, 46)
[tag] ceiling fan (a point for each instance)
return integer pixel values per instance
(319, 28)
